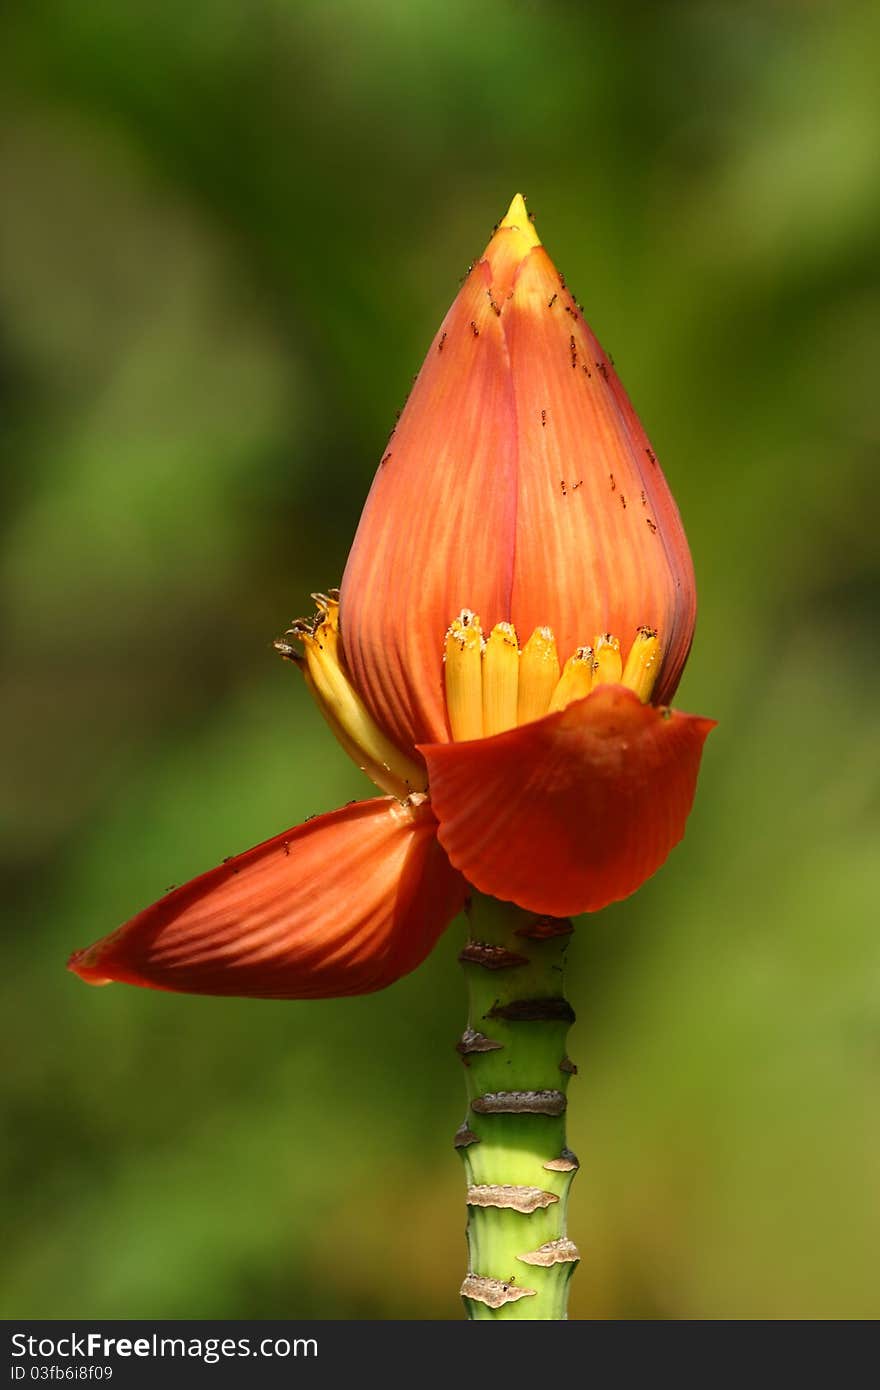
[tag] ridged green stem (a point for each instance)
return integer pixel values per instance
(517, 1165)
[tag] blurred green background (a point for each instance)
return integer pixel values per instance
(229, 231)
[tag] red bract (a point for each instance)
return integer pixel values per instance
(516, 610)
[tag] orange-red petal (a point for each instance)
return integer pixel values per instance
(345, 904)
(573, 811)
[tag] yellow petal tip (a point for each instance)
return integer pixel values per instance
(517, 219)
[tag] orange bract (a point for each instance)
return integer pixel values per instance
(573, 811)
(345, 904)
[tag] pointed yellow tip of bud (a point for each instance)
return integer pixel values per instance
(517, 219)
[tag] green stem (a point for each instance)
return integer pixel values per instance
(517, 1165)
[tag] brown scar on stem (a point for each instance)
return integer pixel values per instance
(549, 1010)
(489, 956)
(510, 1196)
(493, 1292)
(568, 1066)
(520, 1103)
(553, 1252)
(565, 1162)
(543, 928)
(464, 1137)
(473, 1041)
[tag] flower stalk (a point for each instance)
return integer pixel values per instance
(517, 1165)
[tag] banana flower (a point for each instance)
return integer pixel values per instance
(513, 620)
